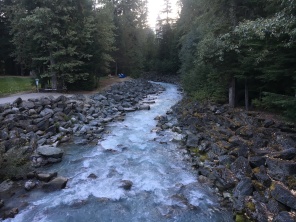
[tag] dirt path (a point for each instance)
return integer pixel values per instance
(104, 84)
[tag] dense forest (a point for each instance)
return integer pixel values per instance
(236, 51)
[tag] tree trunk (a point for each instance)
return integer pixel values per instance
(116, 69)
(246, 95)
(232, 93)
(232, 13)
(54, 81)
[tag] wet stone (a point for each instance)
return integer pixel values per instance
(284, 216)
(257, 161)
(49, 151)
(279, 168)
(287, 154)
(241, 167)
(29, 185)
(56, 184)
(244, 188)
(282, 194)
(126, 184)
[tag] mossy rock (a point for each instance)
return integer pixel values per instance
(291, 182)
(203, 157)
(194, 151)
(250, 206)
(15, 163)
(258, 186)
(256, 170)
(241, 218)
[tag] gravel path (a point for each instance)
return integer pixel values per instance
(26, 96)
(104, 84)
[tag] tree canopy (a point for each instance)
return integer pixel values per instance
(242, 51)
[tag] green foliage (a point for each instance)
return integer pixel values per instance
(277, 102)
(205, 86)
(89, 84)
(131, 34)
(10, 85)
(63, 42)
(251, 41)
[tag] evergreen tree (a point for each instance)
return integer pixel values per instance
(131, 24)
(7, 66)
(56, 39)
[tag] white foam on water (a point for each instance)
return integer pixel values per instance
(162, 184)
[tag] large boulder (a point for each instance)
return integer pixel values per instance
(56, 184)
(282, 194)
(278, 168)
(244, 188)
(50, 152)
(241, 167)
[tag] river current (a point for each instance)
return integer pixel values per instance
(164, 187)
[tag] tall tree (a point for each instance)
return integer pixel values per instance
(6, 62)
(56, 38)
(131, 24)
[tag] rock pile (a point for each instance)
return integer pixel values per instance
(249, 159)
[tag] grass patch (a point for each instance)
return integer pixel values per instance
(15, 84)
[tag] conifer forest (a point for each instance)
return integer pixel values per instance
(241, 52)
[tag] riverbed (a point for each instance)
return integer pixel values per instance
(132, 174)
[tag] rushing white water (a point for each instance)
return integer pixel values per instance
(164, 187)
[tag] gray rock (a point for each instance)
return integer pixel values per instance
(287, 154)
(18, 101)
(282, 194)
(244, 188)
(6, 185)
(267, 123)
(4, 135)
(216, 149)
(28, 105)
(284, 216)
(280, 168)
(29, 185)
(10, 213)
(241, 167)
(47, 112)
(257, 161)
(1, 203)
(225, 179)
(129, 109)
(263, 178)
(92, 176)
(126, 184)
(226, 159)
(56, 184)
(144, 107)
(46, 176)
(193, 140)
(49, 151)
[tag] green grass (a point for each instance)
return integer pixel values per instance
(14, 84)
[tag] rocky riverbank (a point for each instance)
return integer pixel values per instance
(31, 132)
(248, 158)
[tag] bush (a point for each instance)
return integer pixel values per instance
(276, 102)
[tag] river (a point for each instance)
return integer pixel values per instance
(163, 185)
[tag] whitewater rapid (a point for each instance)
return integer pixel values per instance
(164, 187)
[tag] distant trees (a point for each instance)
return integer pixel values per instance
(244, 46)
(131, 36)
(242, 51)
(7, 65)
(55, 39)
(167, 52)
